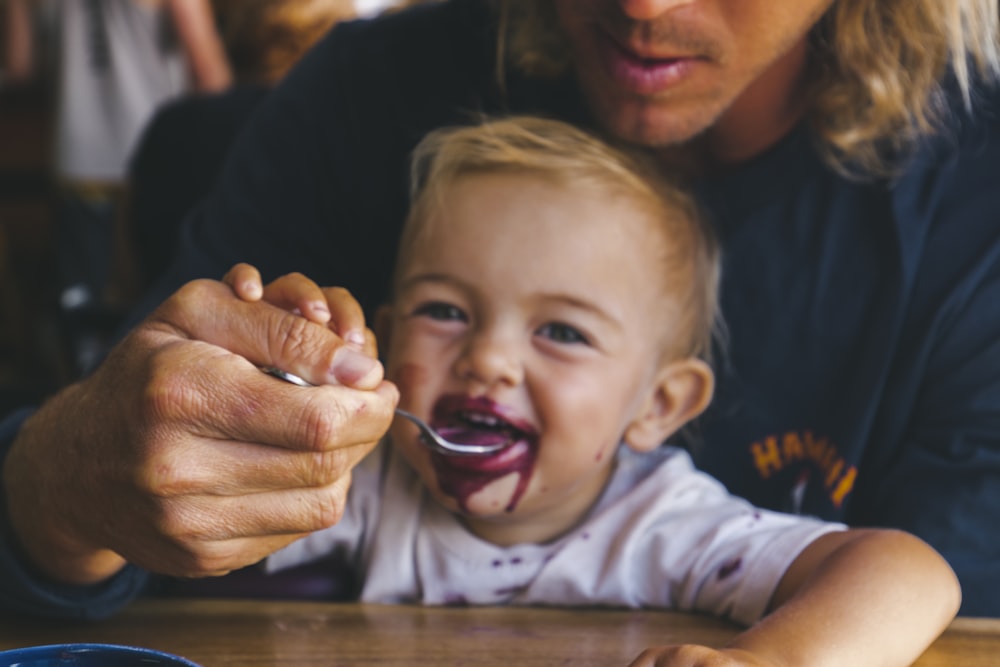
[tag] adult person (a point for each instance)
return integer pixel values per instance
(845, 150)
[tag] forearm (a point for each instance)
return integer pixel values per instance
(202, 45)
(859, 598)
(41, 531)
(24, 591)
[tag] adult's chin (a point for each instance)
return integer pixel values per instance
(651, 122)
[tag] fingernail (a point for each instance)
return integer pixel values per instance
(353, 368)
(355, 338)
(319, 308)
(252, 289)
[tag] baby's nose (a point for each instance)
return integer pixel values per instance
(490, 360)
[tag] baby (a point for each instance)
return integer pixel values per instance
(557, 296)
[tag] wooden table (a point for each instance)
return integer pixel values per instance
(302, 634)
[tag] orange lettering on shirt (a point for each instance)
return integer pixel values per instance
(775, 452)
(766, 457)
(845, 486)
(791, 447)
(834, 472)
(816, 448)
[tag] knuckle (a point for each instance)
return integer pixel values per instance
(329, 508)
(192, 295)
(204, 562)
(162, 480)
(324, 419)
(180, 527)
(196, 550)
(320, 427)
(327, 467)
(212, 560)
(341, 294)
(294, 336)
(169, 394)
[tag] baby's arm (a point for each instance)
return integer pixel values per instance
(857, 597)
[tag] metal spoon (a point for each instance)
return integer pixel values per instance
(431, 438)
(436, 441)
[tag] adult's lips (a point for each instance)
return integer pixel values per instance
(643, 72)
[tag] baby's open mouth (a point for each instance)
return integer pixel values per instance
(478, 428)
(481, 421)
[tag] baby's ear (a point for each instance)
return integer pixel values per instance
(682, 391)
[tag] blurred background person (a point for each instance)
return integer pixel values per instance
(111, 64)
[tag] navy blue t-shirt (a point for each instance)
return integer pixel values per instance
(860, 379)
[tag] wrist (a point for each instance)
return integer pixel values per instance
(35, 527)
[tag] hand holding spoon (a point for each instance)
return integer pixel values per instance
(431, 438)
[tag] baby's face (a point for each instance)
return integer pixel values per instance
(529, 313)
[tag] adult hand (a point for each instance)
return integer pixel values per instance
(180, 456)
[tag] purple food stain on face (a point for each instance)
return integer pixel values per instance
(461, 481)
(729, 568)
(466, 419)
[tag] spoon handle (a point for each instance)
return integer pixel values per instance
(430, 437)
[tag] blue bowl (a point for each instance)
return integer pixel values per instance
(90, 655)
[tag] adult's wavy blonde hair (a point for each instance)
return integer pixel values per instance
(879, 68)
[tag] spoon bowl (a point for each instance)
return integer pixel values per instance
(429, 436)
(435, 440)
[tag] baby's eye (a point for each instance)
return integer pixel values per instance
(438, 310)
(563, 333)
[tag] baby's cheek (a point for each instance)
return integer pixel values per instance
(410, 378)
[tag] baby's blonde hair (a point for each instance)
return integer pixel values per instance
(568, 156)
(879, 68)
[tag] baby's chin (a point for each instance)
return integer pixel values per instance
(490, 502)
(493, 499)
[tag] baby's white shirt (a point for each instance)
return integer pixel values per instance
(662, 535)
